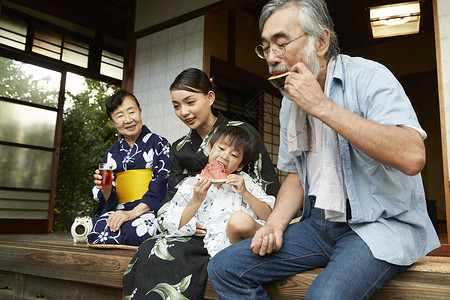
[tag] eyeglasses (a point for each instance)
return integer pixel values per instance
(279, 50)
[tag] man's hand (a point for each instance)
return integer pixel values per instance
(306, 91)
(266, 240)
(400, 147)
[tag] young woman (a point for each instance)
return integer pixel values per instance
(192, 98)
(126, 213)
(178, 264)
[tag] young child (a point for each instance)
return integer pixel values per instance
(230, 212)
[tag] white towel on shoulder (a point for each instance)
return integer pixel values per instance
(300, 136)
(331, 195)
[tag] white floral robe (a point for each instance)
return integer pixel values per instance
(220, 203)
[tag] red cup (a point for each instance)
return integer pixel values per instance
(106, 172)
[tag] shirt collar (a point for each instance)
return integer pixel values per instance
(331, 68)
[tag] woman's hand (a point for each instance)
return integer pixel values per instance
(238, 183)
(200, 230)
(98, 183)
(117, 218)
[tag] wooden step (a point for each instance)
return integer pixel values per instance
(428, 279)
(50, 266)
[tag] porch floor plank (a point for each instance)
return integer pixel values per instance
(52, 266)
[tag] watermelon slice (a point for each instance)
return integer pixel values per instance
(215, 171)
(278, 79)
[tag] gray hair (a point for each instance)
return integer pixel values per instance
(313, 18)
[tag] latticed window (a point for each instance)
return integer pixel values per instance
(112, 65)
(260, 109)
(271, 136)
(28, 110)
(61, 46)
(237, 102)
(76, 52)
(35, 59)
(47, 43)
(13, 33)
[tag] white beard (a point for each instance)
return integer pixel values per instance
(311, 59)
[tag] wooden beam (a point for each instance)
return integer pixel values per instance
(57, 146)
(444, 250)
(23, 226)
(129, 64)
(86, 13)
(442, 113)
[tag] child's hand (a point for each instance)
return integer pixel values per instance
(238, 183)
(201, 189)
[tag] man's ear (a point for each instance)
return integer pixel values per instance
(110, 121)
(323, 43)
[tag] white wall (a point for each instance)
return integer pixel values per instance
(160, 57)
(444, 38)
(152, 12)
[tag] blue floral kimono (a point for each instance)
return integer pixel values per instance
(151, 152)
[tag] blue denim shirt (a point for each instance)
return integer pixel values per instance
(388, 207)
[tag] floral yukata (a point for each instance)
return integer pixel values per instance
(172, 266)
(220, 203)
(149, 153)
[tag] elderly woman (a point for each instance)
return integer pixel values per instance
(140, 160)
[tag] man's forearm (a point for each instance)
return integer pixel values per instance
(396, 146)
(288, 203)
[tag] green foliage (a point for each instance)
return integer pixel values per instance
(86, 136)
(17, 84)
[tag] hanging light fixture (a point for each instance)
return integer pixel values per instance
(395, 19)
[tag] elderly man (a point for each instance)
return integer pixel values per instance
(353, 148)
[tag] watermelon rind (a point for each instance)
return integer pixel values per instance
(278, 79)
(218, 181)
